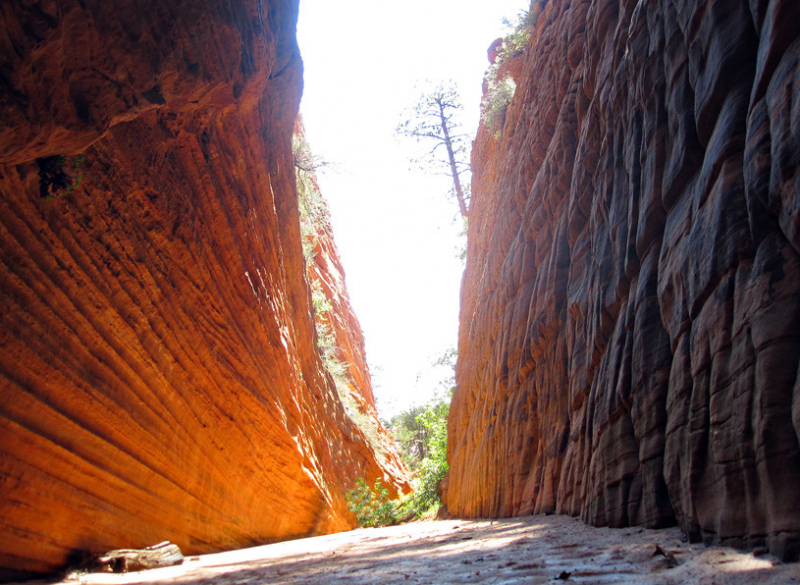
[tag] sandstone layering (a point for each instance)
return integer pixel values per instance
(630, 319)
(159, 372)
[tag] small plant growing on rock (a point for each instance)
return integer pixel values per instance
(371, 505)
(499, 93)
(55, 177)
(500, 87)
(314, 215)
(519, 38)
(315, 229)
(314, 221)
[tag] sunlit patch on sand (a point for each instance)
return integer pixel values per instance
(531, 550)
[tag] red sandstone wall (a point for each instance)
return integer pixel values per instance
(159, 376)
(326, 271)
(356, 383)
(630, 320)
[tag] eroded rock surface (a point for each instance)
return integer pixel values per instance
(159, 374)
(630, 320)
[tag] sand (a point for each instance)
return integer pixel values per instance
(531, 550)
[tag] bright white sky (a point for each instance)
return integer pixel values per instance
(394, 225)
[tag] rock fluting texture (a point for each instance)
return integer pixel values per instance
(159, 371)
(630, 319)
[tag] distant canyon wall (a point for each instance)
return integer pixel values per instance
(630, 318)
(339, 335)
(159, 371)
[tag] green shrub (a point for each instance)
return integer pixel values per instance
(434, 467)
(422, 435)
(411, 437)
(498, 96)
(501, 88)
(371, 505)
(520, 36)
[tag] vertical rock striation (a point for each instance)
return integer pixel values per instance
(630, 319)
(159, 375)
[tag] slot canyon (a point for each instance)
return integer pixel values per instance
(629, 338)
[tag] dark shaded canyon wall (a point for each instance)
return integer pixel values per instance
(630, 319)
(159, 375)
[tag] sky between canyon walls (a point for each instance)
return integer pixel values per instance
(397, 232)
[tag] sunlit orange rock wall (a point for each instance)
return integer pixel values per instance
(357, 382)
(630, 319)
(159, 376)
(324, 269)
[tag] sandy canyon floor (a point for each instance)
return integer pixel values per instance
(532, 550)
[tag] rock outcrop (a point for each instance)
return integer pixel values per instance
(630, 319)
(159, 372)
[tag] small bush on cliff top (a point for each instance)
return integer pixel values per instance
(500, 88)
(520, 36)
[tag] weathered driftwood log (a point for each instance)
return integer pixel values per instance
(163, 554)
